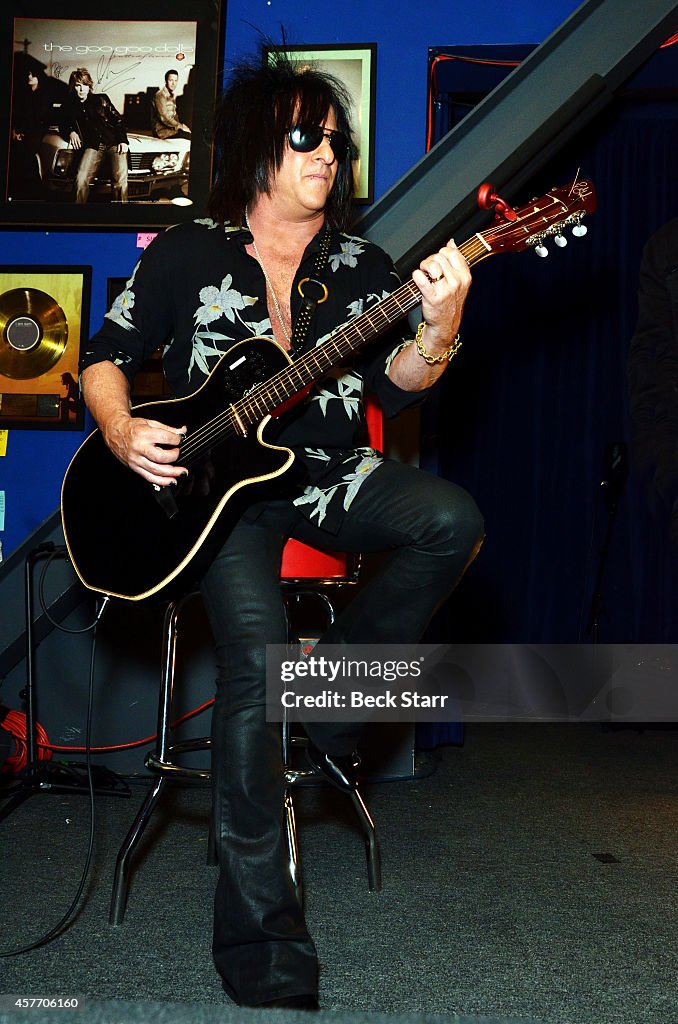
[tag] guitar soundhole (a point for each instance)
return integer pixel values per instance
(242, 377)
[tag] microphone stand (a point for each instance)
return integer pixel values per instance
(615, 470)
(593, 624)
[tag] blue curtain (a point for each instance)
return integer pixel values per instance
(525, 415)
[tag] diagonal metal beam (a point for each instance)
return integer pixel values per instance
(519, 126)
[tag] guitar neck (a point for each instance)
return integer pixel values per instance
(515, 230)
(316, 364)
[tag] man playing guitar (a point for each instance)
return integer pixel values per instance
(273, 259)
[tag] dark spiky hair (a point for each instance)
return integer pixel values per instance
(264, 97)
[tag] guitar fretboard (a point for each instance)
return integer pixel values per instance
(532, 222)
(316, 363)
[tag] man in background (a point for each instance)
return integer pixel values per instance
(31, 109)
(164, 118)
(653, 376)
(95, 126)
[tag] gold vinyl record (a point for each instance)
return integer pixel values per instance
(33, 333)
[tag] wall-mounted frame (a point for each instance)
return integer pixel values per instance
(459, 77)
(355, 65)
(44, 315)
(127, 50)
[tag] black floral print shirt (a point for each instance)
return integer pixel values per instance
(196, 291)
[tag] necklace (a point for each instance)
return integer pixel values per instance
(269, 284)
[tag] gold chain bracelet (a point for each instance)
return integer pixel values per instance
(444, 357)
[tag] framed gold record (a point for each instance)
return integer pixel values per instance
(44, 315)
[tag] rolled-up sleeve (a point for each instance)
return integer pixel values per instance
(140, 319)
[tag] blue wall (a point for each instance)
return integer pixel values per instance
(32, 470)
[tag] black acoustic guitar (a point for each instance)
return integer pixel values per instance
(129, 539)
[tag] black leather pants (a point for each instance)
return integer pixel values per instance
(261, 946)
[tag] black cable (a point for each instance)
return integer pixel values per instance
(41, 593)
(62, 924)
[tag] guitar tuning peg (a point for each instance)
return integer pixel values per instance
(579, 230)
(541, 250)
(560, 241)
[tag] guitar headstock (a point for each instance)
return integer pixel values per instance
(528, 226)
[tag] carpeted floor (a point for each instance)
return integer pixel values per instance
(530, 877)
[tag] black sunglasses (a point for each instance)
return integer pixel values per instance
(304, 138)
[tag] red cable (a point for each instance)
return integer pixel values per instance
(15, 724)
(133, 743)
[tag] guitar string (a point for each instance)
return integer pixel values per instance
(260, 399)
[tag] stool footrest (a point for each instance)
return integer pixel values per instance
(176, 771)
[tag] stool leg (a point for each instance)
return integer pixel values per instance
(121, 877)
(293, 846)
(291, 834)
(371, 842)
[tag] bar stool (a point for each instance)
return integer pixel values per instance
(306, 573)
(299, 561)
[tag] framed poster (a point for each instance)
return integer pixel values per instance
(109, 113)
(44, 314)
(354, 64)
